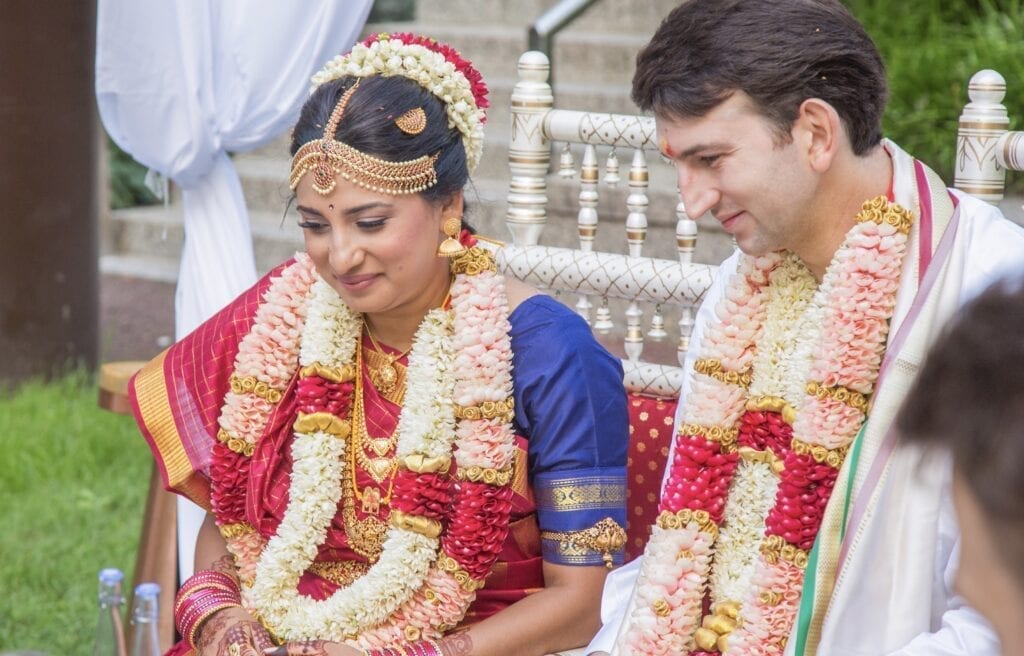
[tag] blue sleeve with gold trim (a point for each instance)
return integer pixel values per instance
(571, 406)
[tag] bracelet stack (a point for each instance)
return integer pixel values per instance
(418, 648)
(202, 595)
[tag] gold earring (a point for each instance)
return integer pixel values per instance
(451, 247)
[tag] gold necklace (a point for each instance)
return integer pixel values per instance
(384, 368)
(382, 466)
(365, 536)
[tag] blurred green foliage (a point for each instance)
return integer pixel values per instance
(126, 179)
(931, 49)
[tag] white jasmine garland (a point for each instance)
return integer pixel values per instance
(791, 328)
(383, 600)
(427, 422)
(751, 495)
(332, 329)
(833, 335)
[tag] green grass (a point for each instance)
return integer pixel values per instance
(931, 49)
(72, 489)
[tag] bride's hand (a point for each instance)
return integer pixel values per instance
(232, 632)
(313, 648)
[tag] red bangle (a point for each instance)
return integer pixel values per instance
(197, 598)
(206, 579)
(209, 577)
(422, 648)
(198, 605)
(195, 606)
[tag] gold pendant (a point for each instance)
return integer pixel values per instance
(371, 501)
(379, 468)
(384, 378)
(381, 445)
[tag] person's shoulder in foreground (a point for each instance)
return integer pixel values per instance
(967, 401)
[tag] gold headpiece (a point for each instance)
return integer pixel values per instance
(413, 121)
(327, 158)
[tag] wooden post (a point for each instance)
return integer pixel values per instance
(686, 242)
(982, 123)
(636, 235)
(529, 153)
(49, 300)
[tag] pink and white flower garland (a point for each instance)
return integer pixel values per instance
(443, 541)
(799, 429)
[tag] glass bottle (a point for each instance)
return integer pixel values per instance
(109, 626)
(146, 640)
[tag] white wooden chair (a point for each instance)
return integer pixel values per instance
(670, 286)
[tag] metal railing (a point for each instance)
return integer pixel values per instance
(551, 22)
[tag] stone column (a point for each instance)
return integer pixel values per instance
(49, 301)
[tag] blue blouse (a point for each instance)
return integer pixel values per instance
(571, 406)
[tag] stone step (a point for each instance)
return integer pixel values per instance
(591, 57)
(146, 267)
(605, 16)
(158, 234)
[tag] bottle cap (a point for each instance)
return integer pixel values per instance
(147, 590)
(111, 575)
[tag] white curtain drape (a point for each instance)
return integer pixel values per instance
(180, 84)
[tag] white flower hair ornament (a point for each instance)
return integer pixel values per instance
(435, 66)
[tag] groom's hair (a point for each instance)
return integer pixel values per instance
(968, 399)
(778, 52)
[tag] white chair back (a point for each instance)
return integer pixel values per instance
(669, 290)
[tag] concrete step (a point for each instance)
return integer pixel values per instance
(605, 16)
(158, 235)
(146, 267)
(597, 57)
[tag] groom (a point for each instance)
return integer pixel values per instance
(789, 523)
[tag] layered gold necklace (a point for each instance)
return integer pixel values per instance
(374, 455)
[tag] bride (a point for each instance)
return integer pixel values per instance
(401, 451)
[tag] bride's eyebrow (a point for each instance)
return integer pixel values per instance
(359, 209)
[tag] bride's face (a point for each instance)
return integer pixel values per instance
(377, 251)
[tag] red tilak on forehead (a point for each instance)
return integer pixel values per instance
(665, 148)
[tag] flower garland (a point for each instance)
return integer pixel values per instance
(444, 537)
(435, 66)
(263, 366)
(758, 452)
